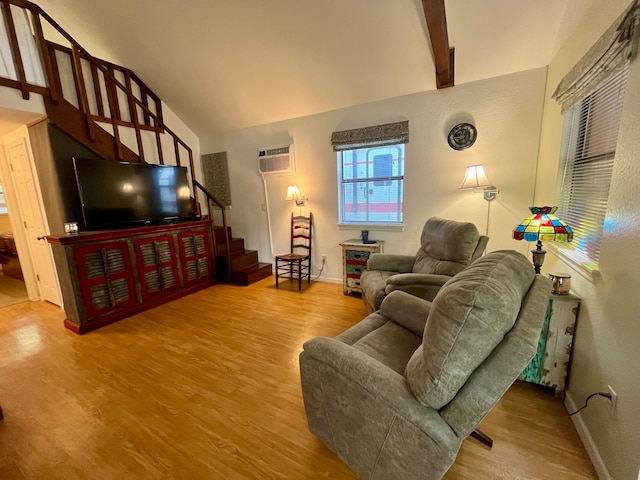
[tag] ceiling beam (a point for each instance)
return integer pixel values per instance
(443, 56)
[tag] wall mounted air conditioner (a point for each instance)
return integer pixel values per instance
(276, 161)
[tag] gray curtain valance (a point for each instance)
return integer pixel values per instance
(610, 52)
(376, 136)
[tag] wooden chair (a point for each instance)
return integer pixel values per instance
(296, 265)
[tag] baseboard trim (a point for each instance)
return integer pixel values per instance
(327, 279)
(587, 439)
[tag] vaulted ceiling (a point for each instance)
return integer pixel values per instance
(222, 65)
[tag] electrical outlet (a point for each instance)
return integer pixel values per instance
(613, 400)
(324, 257)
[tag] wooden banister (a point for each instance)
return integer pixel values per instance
(15, 49)
(81, 89)
(227, 241)
(44, 54)
(138, 107)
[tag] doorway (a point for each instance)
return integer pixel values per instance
(24, 202)
(12, 287)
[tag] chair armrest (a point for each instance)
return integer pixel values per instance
(406, 310)
(390, 262)
(423, 285)
(382, 383)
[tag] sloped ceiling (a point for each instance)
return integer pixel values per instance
(223, 65)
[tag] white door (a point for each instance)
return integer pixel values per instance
(33, 220)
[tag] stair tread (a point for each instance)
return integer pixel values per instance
(240, 253)
(255, 267)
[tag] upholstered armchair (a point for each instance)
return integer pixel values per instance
(395, 395)
(446, 248)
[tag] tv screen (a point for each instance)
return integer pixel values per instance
(116, 194)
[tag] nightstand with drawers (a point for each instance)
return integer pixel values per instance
(355, 254)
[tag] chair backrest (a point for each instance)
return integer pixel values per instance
(301, 233)
(447, 247)
(482, 330)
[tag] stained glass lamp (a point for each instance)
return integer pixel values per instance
(542, 225)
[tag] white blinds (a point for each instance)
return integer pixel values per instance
(589, 138)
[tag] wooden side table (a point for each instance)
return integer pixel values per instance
(550, 366)
(355, 254)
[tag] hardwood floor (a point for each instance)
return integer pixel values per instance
(207, 387)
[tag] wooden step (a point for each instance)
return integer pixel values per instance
(236, 245)
(252, 274)
(244, 259)
(218, 233)
(239, 261)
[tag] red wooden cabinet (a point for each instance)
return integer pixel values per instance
(109, 275)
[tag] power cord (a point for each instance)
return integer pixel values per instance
(324, 261)
(602, 394)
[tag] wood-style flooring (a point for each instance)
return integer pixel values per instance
(207, 387)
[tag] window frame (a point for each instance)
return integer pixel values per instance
(584, 178)
(385, 181)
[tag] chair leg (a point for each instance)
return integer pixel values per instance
(482, 437)
(299, 275)
(277, 272)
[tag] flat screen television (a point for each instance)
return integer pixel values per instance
(117, 194)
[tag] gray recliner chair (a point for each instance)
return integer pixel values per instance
(395, 395)
(446, 248)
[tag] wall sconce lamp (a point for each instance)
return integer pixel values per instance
(294, 194)
(475, 178)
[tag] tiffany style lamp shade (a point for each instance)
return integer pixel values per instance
(542, 225)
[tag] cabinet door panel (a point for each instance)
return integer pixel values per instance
(106, 279)
(157, 265)
(196, 256)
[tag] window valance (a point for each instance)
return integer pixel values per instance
(375, 136)
(610, 52)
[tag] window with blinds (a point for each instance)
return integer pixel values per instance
(371, 173)
(590, 135)
(371, 185)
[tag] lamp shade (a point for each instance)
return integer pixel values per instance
(475, 177)
(543, 226)
(292, 193)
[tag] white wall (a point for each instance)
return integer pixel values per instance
(606, 345)
(506, 111)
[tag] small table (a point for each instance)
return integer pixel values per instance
(355, 254)
(550, 366)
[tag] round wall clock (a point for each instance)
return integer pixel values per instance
(462, 136)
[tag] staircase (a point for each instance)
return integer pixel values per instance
(238, 265)
(109, 110)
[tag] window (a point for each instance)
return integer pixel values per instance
(371, 174)
(371, 185)
(589, 139)
(3, 205)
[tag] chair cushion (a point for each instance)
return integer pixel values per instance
(390, 344)
(373, 283)
(468, 318)
(447, 246)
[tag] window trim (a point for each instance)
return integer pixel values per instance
(587, 167)
(383, 225)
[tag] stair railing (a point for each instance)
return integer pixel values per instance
(227, 242)
(54, 89)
